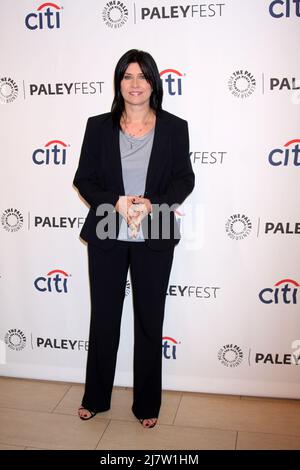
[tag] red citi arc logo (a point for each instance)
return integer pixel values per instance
(47, 17)
(284, 291)
(172, 81)
(55, 281)
(169, 347)
(54, 152)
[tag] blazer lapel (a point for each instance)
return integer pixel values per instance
(157, 152)
(116, 160)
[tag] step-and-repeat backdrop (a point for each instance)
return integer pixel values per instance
(230, 69)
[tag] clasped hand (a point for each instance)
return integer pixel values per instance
(133, 209)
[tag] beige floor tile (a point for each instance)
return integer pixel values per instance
(240, 415)
(271, 399)
(30, 394)
(124, 435)
(71, 401)
(120, 405)
(49, 430)
(10, 447)
(210, 395)
(258, 441)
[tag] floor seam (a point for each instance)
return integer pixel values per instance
(176, 412)
(67, 391)
(104, 431)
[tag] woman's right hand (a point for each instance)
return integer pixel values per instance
(123, 205)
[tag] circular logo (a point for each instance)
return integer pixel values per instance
(242, 84)
(230, 355)
(8, 90)
(238, 226)
(115, 14)
(12, 220)
(15, 339)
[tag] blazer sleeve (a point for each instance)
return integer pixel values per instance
(182, 176)
(86, 180)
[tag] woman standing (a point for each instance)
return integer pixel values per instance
(134, 162)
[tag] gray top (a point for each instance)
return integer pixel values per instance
(135, 156)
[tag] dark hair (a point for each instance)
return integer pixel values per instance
(151, 73)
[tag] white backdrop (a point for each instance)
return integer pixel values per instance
(232, 320)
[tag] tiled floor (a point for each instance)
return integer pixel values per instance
(42, 415)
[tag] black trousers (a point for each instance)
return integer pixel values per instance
(150, 272)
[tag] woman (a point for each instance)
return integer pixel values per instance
(134, 164)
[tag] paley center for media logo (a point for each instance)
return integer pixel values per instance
(54, 281)
(12, 220)
(46, 16)
(242, 83)
(232, 355)
(115, 14)
(284, 8)
(8, 90)
(54, 152)
(238, 226)
(15, 339)
(284, 291)
(169, 347)
(287, 155)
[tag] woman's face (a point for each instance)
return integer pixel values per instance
(134, 87)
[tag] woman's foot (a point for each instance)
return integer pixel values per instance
(148, 423)
(85, 414)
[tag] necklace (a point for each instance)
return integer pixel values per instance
(140, 130)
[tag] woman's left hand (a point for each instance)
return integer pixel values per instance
(137, 211)
(146, 202)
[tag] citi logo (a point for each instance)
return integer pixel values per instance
(284, 291)
(169, 347)
(55, 281)
(172, 81)
(284, 8)
(55, 152)
(47, 16)
(286, 156)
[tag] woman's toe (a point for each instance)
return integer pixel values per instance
(149, 423)
(83, 413)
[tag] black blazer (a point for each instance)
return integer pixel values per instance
(170, 177)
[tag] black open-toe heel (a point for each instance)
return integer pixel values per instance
(151, 425)
(85, 418)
